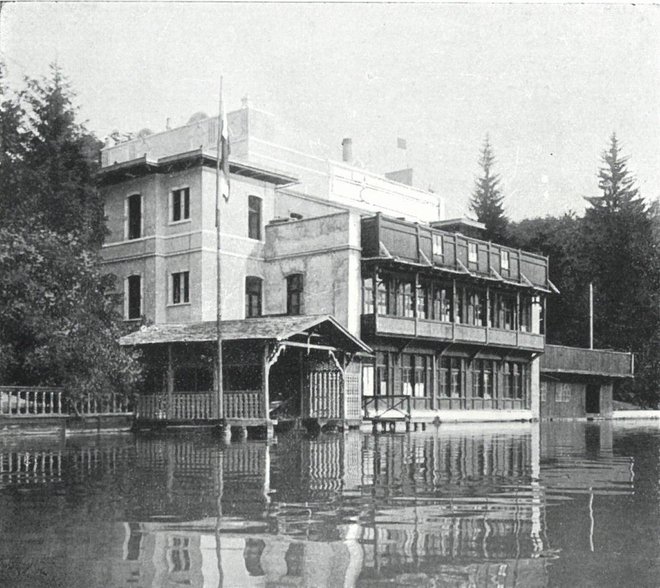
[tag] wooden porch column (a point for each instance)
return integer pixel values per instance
(301, 369)
(170, 379)
(265, 372)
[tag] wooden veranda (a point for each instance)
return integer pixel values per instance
(275, 368)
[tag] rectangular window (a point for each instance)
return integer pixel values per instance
(526, 314)
(476, 309)
(254, 217)
(477, 379)
(420, 367)
(134, 213)
(444, 379)
(456, 378)
(253, 288)
(134, 295)
(544, 391)
(508, 380)
(368, 296)
(472, 252)
(504, 261)
(422, 301)
(180, 204)
(294, 293)
(405, 299)
(367, 380)
(437, 245)
(407, 370)
(180, 288)
(382, 371)
(383, 296)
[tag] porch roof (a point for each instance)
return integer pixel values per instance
(272, 328)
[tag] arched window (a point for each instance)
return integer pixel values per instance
(294, 294)
(253, 291)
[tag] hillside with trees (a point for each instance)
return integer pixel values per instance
(616, 247)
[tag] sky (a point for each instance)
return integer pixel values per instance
(547, 83)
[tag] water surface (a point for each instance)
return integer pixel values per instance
(558, 504)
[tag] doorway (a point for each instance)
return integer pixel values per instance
(592, 404)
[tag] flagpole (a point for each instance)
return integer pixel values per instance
(219, 412)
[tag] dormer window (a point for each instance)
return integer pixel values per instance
(504, 260)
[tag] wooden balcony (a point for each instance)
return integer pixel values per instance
(559, 359)
(385, 238)
(378, 325)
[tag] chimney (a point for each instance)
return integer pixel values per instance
(347, 150)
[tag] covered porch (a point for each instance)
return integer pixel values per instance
(274, 368)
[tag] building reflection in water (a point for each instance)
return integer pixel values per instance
(456, 508)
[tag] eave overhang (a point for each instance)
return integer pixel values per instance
(142, 166)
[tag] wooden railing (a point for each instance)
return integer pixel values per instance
(398, 406)
(26, 401)
(376, 324)
(574, 360)
(246, 404)
(184, 406)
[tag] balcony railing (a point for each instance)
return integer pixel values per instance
(574, 360)
(375, 324)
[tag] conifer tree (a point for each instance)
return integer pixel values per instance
(621, 257)
(487, 200)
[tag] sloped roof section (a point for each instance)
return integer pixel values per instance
(272, 328)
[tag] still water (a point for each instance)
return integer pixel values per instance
(558, 504)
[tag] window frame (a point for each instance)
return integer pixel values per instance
(127, 298)
(437, 245)
(248, 296)
(473, 246)
(299, 291)
(184, 205)
(504, 254)
(252, 199)
(183, 288)
(127, 217)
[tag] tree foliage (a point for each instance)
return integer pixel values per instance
(487, 201)
(48, 160)
(58, 319)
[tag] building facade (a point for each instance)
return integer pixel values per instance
(413, 315)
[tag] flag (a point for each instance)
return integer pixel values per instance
(401, 143)
(223, 151)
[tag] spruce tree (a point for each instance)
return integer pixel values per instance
(621, 256)
(487, 200)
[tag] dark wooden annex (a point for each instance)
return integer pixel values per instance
(274, 368)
